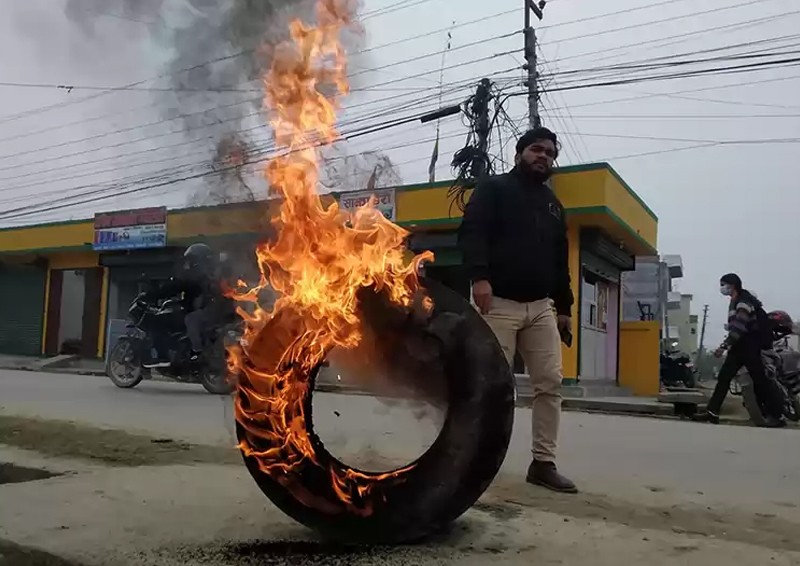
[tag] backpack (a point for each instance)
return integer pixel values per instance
(762, 327)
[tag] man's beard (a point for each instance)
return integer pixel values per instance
(536, 175)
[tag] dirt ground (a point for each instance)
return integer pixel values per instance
(113, 447)
(117, 498)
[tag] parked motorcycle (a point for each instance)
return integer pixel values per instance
(676, 369)
(782, 365)
(125, 361)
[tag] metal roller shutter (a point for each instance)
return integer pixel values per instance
(21, 310)
(599, 266)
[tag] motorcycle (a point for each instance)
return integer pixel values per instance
(125, 361)
(676, 369)
(782, 365)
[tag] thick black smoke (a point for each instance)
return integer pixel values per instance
(89, 14)
(217, 102)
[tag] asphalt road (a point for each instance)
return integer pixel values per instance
(658, 492)
(625, 457)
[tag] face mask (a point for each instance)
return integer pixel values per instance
(725, 289)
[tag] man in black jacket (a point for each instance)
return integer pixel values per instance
(199, 286)
(514, 241)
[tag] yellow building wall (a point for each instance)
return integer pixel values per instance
(217, 222)
(101, 336)
(631, 210)
(590, 193)
(425, 206)
(639, 357)
(73, 260)
(594, 189)
(593, 196)
(570, 355)
(581, 189)
(47, 236)
(599, 197)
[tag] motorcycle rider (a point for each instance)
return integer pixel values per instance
(748, 334)
(202, 298)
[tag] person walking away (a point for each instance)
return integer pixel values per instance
(748, 334)
(513, 238)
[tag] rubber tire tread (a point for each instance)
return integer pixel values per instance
(460, 465)
(133, 383)
(223, 386)
(214, 387)
(751, 404)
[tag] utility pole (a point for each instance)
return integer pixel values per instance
(702, 335)
(483, 126)
(534, 120)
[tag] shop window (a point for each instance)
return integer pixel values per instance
(594, 301)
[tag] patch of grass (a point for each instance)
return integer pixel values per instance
(66, 439)
(15, 555)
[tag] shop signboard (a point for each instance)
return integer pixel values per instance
(130, 229)
(350, 202)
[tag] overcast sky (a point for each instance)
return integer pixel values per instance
(722, 207)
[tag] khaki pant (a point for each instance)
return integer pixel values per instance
(532, 328)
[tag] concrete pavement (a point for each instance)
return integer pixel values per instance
(609, 453)
(658, 491)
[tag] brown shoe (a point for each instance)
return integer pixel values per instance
(546, 475)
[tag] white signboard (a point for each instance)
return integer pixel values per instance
(131, 237)
(350, 202)
(130, 229)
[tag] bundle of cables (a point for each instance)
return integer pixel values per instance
(472, 162)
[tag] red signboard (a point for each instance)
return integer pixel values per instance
(139, 217)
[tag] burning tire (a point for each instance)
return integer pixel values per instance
(441, 484)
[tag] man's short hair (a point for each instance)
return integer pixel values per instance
(537, 134)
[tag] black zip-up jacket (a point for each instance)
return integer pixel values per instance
(514, 235)
(198, 292)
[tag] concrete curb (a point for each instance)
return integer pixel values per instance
(56, 362)
(634, 407)
(47, 365)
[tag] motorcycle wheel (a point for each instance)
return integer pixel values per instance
(216, 383)
(752, 405)
(124, 364)
(795, 414)
(449, 477)
(214, 377)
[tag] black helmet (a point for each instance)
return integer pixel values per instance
(198, 259)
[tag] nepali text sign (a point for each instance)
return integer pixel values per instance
(350, 202)
(131, 229)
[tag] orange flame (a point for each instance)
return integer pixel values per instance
(319, 260)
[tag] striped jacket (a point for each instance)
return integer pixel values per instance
(743, 318)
